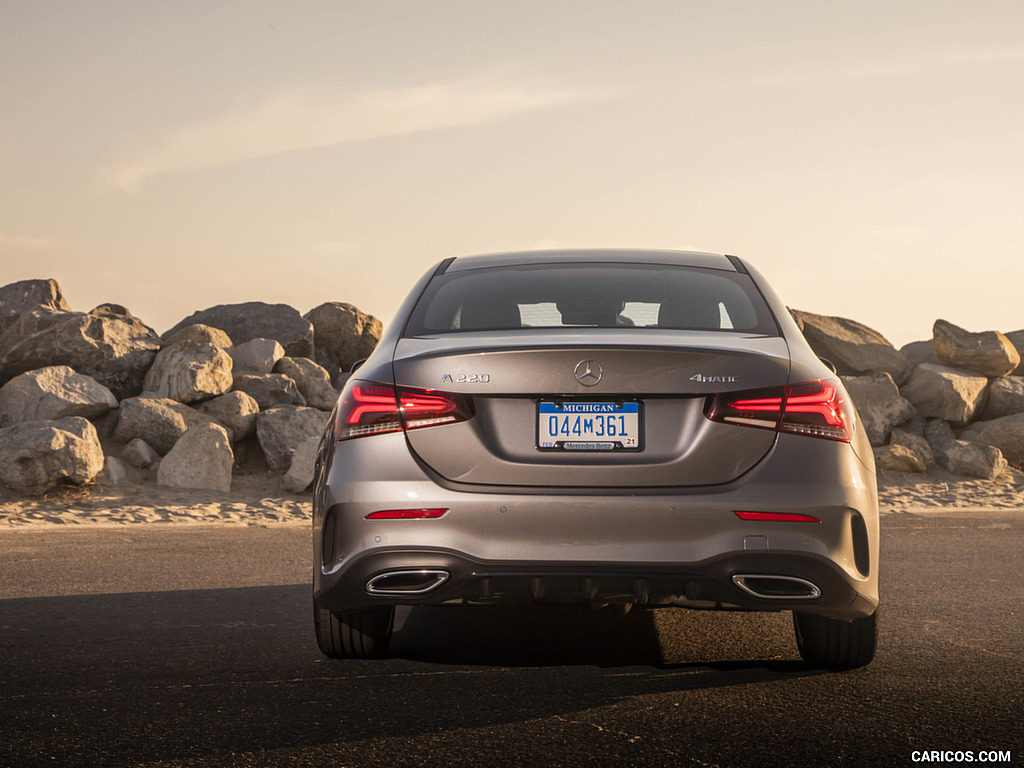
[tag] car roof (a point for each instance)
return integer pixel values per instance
(594, 255)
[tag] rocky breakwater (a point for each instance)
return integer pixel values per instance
(955, 401)
(100, 396)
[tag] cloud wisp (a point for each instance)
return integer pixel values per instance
(309, 118)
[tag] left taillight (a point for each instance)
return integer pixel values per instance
(370, 408)
(814, 408)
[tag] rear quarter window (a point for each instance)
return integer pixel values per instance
(581, 296)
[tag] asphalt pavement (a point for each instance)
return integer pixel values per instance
(193, 646)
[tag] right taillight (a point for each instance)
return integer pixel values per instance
(815, 408)
(370, 408)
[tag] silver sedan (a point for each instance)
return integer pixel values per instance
(629, 428)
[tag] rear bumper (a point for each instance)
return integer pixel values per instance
(651, 546)
(437, 577)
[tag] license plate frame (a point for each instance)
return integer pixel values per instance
(622, 418)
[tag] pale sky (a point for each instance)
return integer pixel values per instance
(867, 157)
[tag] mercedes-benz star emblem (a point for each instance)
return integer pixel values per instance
(588, 373)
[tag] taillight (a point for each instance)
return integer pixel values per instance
(820, 409)
(816, 408)
(369, 408)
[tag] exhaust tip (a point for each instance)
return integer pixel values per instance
(770, 587)
(417, 581)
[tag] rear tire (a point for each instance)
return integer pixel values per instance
(836, 644)
(364, 634)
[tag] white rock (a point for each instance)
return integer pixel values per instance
(899, 458)
(312, 381)
(270, 390)
(201, 458)
(234, 410)
(159, 421)
(53, 393)
(192, 366)
(989, 353)
(854, 348)
(139, 454)
(879, 404)
(37, 455)
(1006, 434)
(1005, 398)
(943, 393)
(300, 474)
(256, 356)
(282, 430)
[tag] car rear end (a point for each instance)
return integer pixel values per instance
(599, 427)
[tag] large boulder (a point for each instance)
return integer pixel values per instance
(257, 320)
(1005, 398)
(917, 444)
(1017, 339)
(270, 390)
(963, 457)
(35, 456)
(201, 458)
(879, 404)
(193, 365)
(989, 353)
(159, 421)
(1006, 434)
(139, 454)
(973, 460)
(116, 350)
(312, 381)
(300, 474)
(898, 458)
(234, 410)
(919, 352)
(256, 356)
(854, 348)
(282, 430)
(53, 393)
(342, 335)
(943, 393)
(16, 299)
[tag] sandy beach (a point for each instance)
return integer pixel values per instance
(259, 500)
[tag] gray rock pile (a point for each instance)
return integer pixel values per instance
(956, 400)
(99, 396)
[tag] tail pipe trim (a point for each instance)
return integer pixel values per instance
(412, 581)
(771, 587)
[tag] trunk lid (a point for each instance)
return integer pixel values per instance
(670, 373)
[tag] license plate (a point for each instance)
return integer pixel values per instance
(588, 426)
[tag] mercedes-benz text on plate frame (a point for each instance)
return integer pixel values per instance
(632, 428)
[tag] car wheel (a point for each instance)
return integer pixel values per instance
(834, 643)
(364, 634)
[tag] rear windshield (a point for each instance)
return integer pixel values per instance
(587, 295)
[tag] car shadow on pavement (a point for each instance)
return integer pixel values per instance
(536, 635)
(182, 676)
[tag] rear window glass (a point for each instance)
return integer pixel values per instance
(585, 295)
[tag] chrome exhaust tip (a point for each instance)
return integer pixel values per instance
(770, 587)
(416, 581)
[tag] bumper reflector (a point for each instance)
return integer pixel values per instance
(406, 514)
(777, 517)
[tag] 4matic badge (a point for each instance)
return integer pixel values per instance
(713, 379)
